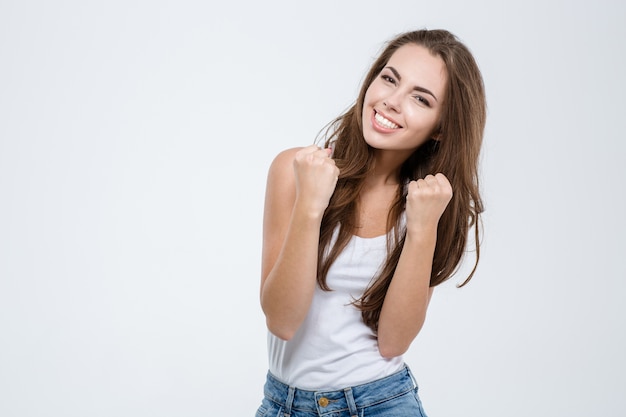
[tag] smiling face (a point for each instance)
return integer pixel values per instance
(403, 104)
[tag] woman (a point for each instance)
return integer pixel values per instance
(357, 235)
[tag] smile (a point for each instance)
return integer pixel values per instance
(385, 122)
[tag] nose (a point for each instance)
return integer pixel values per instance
(393, 102)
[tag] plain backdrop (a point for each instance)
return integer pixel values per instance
(135, 138)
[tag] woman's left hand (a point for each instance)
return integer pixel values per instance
(426, 201)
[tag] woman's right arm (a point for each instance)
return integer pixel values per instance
(299, 186)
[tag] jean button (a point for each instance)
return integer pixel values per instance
(323, 402)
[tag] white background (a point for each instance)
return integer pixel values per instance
(135, 138)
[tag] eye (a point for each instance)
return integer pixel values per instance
(422, 100)
(388, 78)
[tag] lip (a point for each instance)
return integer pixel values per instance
(380, 128)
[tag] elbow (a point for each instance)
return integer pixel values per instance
(390, 350)
(277, 327)
(282, 332)
(280, 322)
(394, 341)
(394, 344)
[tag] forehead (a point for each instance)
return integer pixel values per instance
(417, 65)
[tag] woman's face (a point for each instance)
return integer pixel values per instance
(402, 106)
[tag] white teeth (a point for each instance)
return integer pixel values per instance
(386, 123)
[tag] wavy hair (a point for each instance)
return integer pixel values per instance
(456, 155)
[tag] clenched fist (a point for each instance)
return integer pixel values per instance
(426, 201)
(316, 177)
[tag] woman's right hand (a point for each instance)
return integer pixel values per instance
(316, 177)
(299, 186)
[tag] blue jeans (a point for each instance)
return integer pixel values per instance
(392, 396)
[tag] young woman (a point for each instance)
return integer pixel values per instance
(358, 233)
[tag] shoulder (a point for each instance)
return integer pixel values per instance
(284, 158)
(280, 194)
(281, 167)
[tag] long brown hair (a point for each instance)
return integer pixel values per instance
(455, 155)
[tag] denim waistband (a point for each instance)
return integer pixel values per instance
(351, 398)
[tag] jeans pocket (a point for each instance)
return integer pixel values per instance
(268, 409)
(261, 411)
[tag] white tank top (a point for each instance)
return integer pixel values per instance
(333, 348)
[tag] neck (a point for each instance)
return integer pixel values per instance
(386, 169)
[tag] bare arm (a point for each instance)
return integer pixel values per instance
(300, 183)
(404, 309)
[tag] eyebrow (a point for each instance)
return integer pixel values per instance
(416, 88)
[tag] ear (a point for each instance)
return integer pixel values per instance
(436, 135)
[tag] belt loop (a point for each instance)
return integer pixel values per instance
(411, 375)
(289, 401)
(350, 400)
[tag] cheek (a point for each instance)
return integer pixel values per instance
(423, 120)
(373, 94)
(366, 106)
(367, 98)
(422, 126)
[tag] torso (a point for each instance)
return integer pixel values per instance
(374, 205)
(334, 348)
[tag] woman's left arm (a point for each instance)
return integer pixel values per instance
(404, 309)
